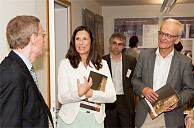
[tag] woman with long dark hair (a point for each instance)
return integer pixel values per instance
(74, 85)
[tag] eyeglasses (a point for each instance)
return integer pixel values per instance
(44, 36)
(168, 36)
(117, 44)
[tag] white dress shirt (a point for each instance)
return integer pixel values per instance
(161, 69)
(117, 75)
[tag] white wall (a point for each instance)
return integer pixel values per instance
(78, 5)
(12, 8)
(109, 13)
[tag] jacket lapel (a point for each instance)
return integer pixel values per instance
(151, 64)
(173, 67)
(109, 63)
(124, 67)
(15, 57)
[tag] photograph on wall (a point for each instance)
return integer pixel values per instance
(88, 19)
(191, 30)
(95, 22)
(99, 32)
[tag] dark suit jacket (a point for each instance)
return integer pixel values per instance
(180, 77)
(128, 62)
(21, 103)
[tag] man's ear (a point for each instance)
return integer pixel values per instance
(178, 39)
(33, 39)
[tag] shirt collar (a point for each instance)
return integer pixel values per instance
(26, 61)
(112, 58)
(158, 53)
(89, 65)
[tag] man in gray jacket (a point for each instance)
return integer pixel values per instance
(157, 67)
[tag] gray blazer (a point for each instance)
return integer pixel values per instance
(180, 77)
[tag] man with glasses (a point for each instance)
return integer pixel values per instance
(160, 66)
(121, 113)
(21, 103)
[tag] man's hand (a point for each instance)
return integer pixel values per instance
(85, 87)
(188, 124)
(149, 94)
(171, 108)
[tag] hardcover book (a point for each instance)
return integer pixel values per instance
(167, 97)
(99, 83)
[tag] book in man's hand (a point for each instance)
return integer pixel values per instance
(167, 97)
(99, 83)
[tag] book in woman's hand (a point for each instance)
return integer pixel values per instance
(99, 83)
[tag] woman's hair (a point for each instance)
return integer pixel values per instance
(133, 41)
(20, 29)
(94, 53)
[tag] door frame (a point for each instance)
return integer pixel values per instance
(51, 58)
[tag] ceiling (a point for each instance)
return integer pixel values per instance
(137, 2)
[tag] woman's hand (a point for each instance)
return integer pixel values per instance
(89, 93)
(85, 87)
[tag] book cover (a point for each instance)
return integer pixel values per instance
(167, 97)
(99, 83)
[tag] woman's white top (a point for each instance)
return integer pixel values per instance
(68, 91)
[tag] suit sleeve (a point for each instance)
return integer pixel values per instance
(133, 64)
(11, 99)
(136, 80)
(187, 91)
(67, 84)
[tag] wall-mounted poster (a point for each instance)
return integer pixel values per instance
(145, 28)
(95, 22)
(99, 32)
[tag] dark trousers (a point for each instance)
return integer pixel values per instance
(118, 115)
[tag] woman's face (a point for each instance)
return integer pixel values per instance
(82, 43)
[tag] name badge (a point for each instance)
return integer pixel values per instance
(128, 73)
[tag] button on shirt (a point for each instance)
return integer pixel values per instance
(161, 69)
(117, 75)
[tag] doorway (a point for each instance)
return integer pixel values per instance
(59, 39)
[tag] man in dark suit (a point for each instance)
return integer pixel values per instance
(160, 66)
(122, 112)
(21, 103)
